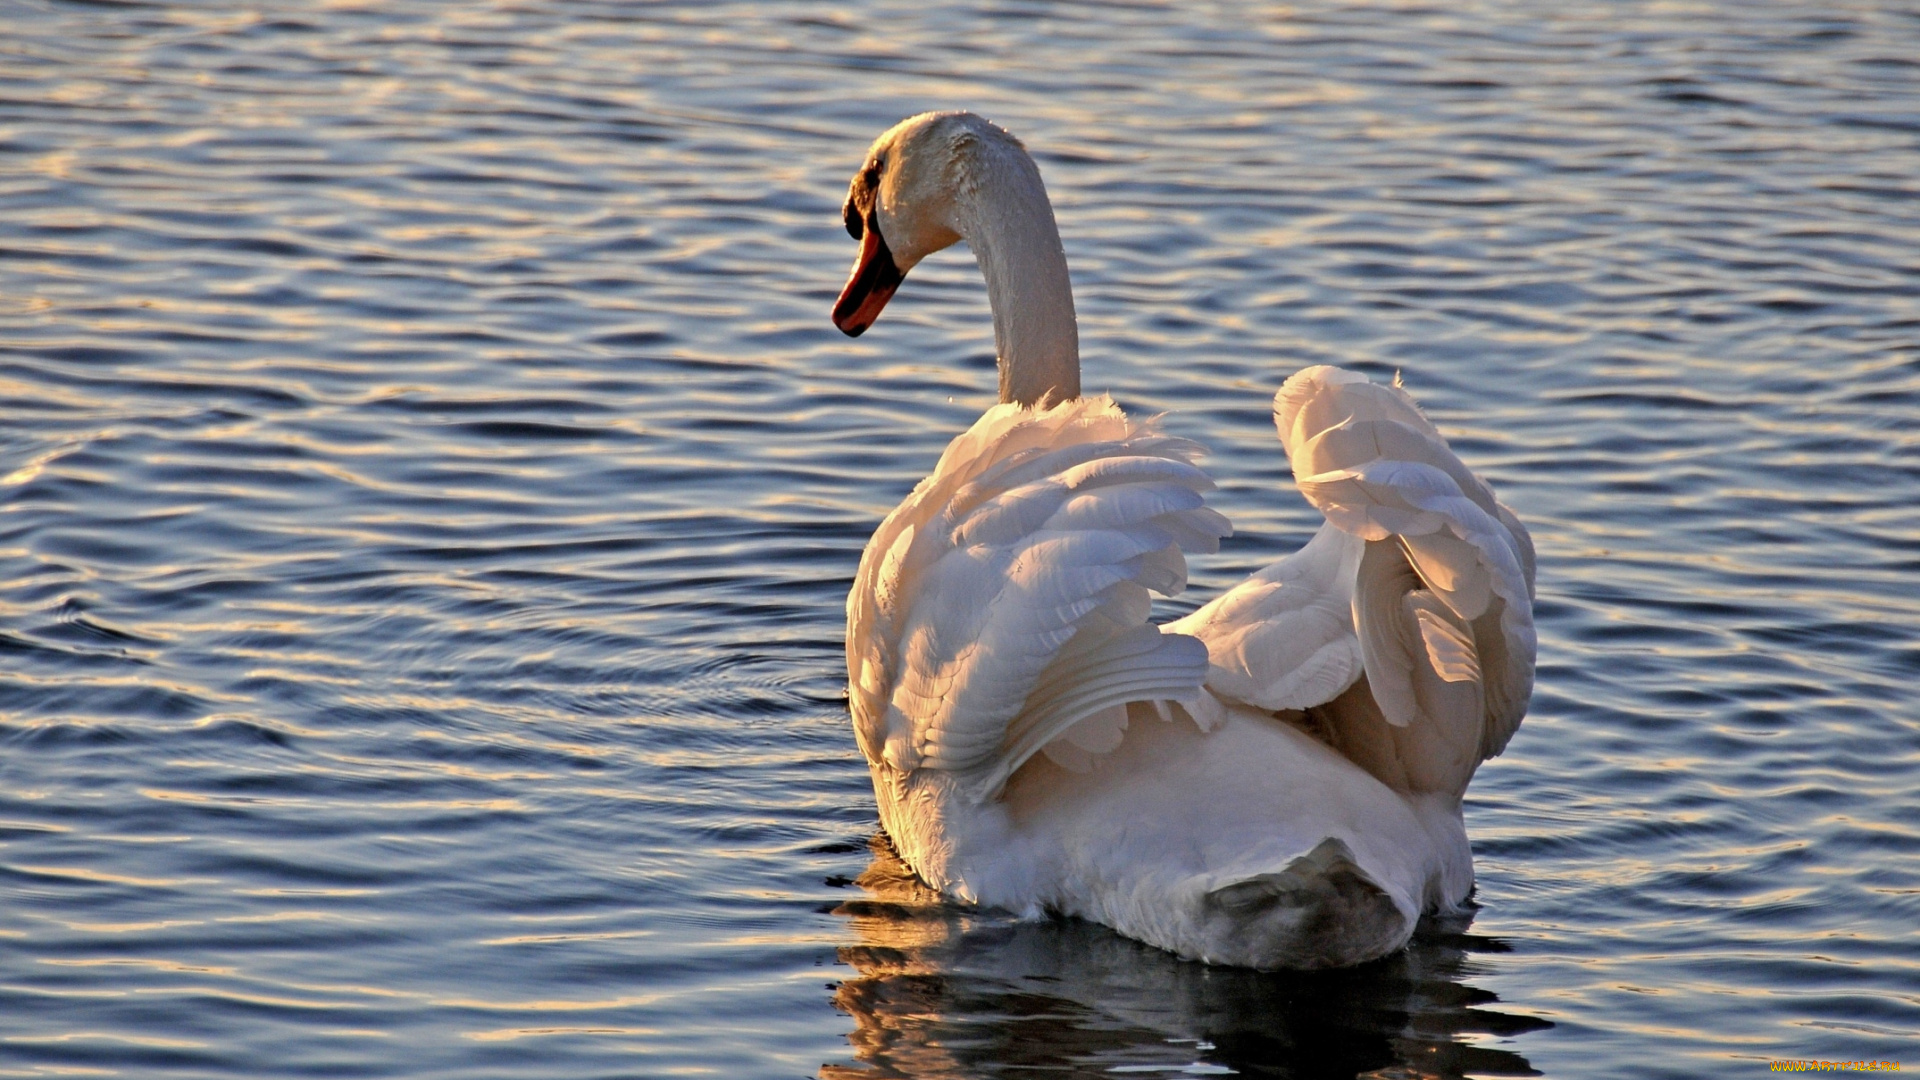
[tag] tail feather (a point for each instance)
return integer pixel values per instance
(1323, 908)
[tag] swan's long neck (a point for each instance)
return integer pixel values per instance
(1008, 222)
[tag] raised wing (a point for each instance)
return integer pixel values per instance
(1006, 600)
(1407, 624)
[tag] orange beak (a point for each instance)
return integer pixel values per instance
(870, 286)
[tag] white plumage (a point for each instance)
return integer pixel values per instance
(1274, 780)
(1005, 600)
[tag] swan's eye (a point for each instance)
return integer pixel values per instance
(865, 191)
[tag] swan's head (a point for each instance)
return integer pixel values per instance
(910, 200)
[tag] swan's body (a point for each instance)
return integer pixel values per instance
(1273, 781)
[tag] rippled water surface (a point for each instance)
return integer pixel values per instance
(430, 484)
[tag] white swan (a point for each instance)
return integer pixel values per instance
(1272, 781)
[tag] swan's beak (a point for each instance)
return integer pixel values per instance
(875, 276)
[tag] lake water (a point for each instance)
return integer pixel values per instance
(429, 483)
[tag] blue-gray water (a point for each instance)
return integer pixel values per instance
(429, 482)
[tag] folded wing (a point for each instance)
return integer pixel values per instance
(1003, 606)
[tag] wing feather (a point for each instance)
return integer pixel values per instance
(1442, 598)
(1283, 639)
(1006, 600)
(1407, 623)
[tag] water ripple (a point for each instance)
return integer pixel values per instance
(431, 485)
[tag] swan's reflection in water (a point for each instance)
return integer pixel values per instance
(943, 991)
